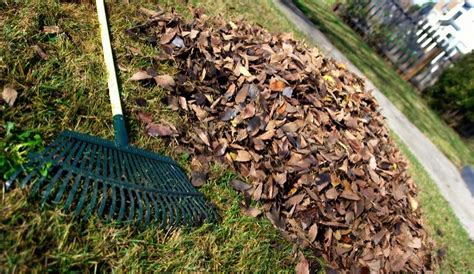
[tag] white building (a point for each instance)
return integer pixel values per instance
(454, 22)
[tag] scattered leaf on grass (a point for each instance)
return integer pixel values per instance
(240, 185)
(150, 13)
(145, 117)
(165, 81)
(41, 52)
(252, 211)
(302, 267)
(9, 95)
(140, 75)
(154, 130)
(198, 178)
(52, 29)
(141, 102)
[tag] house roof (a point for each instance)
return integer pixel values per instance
(444, 6)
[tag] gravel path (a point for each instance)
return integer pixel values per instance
(443, 172)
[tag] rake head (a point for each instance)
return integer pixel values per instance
(89, 175)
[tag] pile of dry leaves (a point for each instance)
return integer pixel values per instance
(300, 128)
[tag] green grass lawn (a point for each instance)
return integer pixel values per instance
(400, 93)
(69, 91)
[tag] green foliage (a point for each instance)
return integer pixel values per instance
(15, 146)
(453, 95)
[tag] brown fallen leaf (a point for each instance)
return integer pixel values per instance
(41, 52)
(413, 203)
(228, 114)
(241, 95)
(140, 75)
(198, 178)
(294, 200)
(243, 156)
(150, 13)
(52, 29)
(313, 232)
(165, 81)
(415, 243)
(257, 193)
(302, 267)
(275, 219)
(168, 36)
(348, 194)
(240, 185)
(203, 136)
(145, 117)
(220, 149)
(9, 95)
(154, 130)
(276, 85)
(267, 135)
(251, 211)
(332, 194)
(241, 70)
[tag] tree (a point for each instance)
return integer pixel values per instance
(453, 95)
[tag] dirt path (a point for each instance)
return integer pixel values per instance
(443, 172)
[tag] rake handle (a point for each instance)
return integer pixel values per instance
(120, 131)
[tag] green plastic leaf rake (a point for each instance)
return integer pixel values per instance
(89, 175)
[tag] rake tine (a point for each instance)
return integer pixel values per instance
(132, 206)
(157, 197)
(187, 212)
(168, 200)
(117, 167)
(56, 144)
(108, 154)
(156, 200)
(62, 188)
(132, 170)
(82, 198)
(176, 210)
(93, 201)
(148, 208)
(50, 186)
(122, 205)
(12, 178)
(103, 201)
(113, 205)
(140, 167)
(186, 206)
(140, 209)
(37, 186)
(74, 189)
(155, 207)
(169, 216)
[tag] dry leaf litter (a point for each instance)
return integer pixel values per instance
(301, 129)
